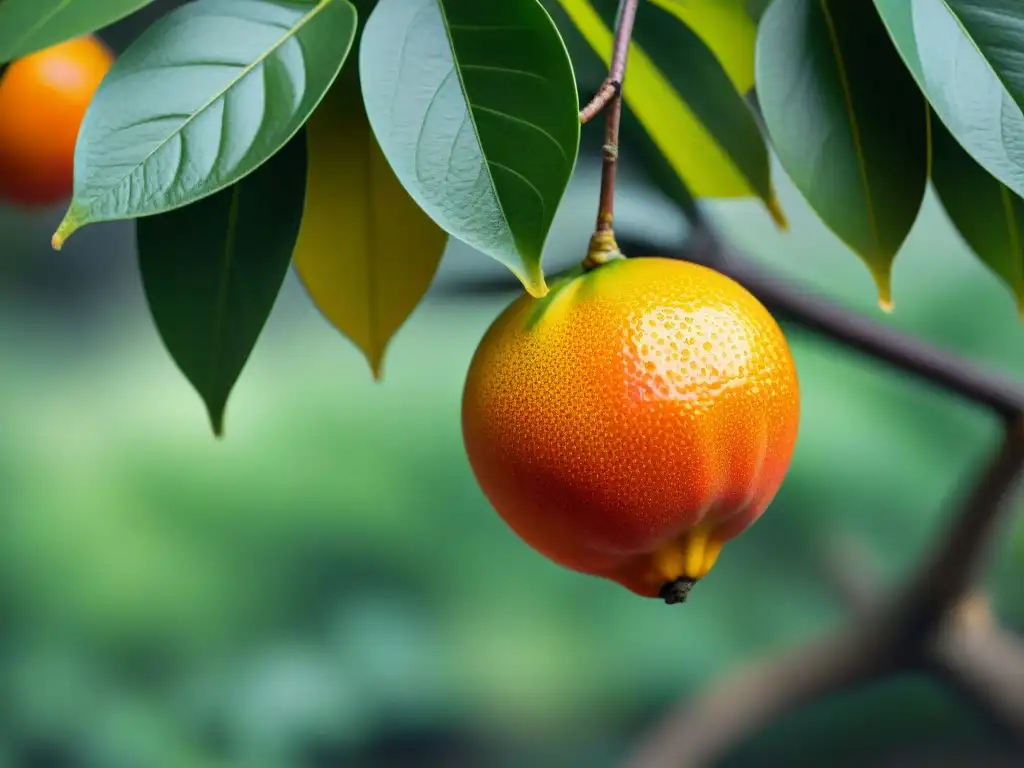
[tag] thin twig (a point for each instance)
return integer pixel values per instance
(612, 86)
(609, 90)
(602, 244)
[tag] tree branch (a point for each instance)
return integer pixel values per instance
(944, 578)
(710, 723)
(929, 623)
(609, 89)
(985, 665)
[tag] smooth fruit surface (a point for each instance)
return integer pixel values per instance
(43, 98)
(633, 420)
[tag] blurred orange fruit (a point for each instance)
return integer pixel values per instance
(633, 420)
(43, 98)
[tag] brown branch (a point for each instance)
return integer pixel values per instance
(927, 624)
(985, 664)
(602, 244)
(944, 578)
(932, 622)
(609, 89)
(612, 86)
(852, 572)
(707, 725)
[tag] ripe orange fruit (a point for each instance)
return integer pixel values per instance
(632, 420)
(43, 98)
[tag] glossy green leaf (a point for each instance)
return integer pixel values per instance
(200, 99)
(212, 270)
(685, 101)
(847, 123)
(29, 25)
(367, 252)
(968, 58)
(474, 105)
(989, 217)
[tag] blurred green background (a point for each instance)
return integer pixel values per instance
(327, 586)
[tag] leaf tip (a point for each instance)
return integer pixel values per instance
(216, 421)
(534, 284)
(376, 361)
(883, 282)
(777, 214)
(65, 229)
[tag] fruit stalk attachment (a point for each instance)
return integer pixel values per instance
(677, 591)
(603, 247)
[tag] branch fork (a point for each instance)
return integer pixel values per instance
(938, 621)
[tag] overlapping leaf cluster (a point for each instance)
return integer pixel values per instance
(351, 138)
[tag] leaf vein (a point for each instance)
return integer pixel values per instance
(526, 181)
(505, 70)
(490, 28)
(310, 14)
(521, 121)
(422, 131)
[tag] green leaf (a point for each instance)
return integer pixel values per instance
(200, 99)
(366, 252)
(30, 25)
(968, 58)
(989, 217)
(474, 105)
(212, 270)
(685, 101)
(847, 122)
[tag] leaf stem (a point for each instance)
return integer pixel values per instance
(603, 247)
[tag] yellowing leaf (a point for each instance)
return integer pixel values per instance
(366, 252)
(726, 28)
(685, 101)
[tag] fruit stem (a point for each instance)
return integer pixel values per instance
(677, 591)
(603, 247)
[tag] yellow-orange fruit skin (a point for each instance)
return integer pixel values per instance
(43, 98)
(633, 420)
